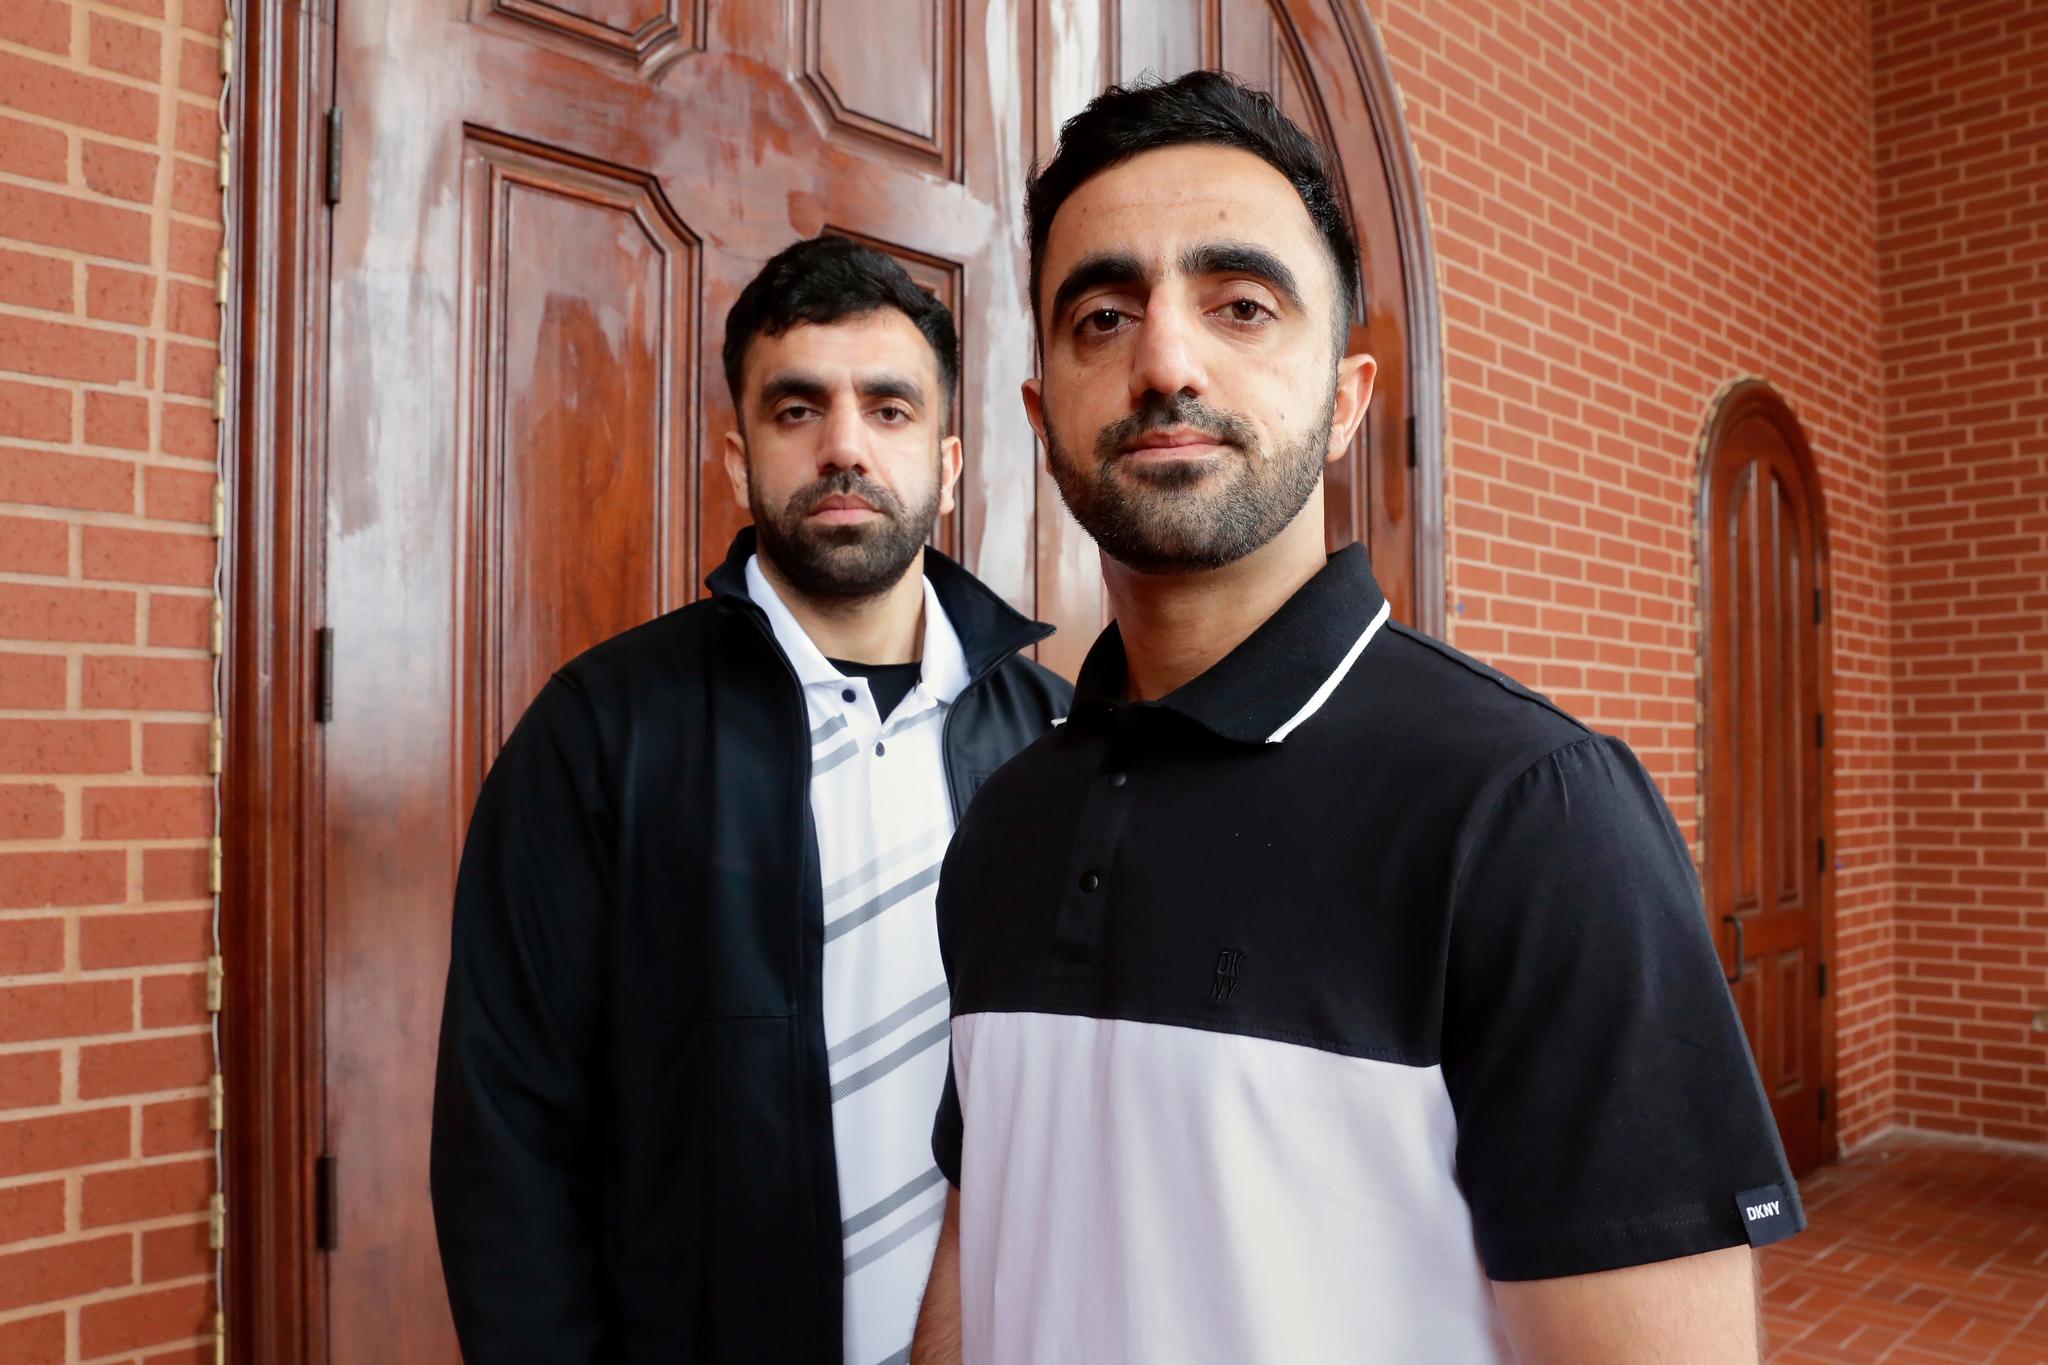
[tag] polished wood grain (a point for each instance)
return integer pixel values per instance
(1764, 768)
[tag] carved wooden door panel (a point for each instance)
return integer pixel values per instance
(545, 211)
(1320, 60)
(1764, 686)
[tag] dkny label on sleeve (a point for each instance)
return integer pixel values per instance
(1766, 1215)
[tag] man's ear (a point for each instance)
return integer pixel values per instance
(1034, 410)
(1354, 394)
(736, 469)
(949, 474)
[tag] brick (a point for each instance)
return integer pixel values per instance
(178, 495)
(33, 150)
(175, 1253)
(180, 620)
(30, 1080)
(33, 281)
(44, 24)
(190, 431)
(194, 313)
(177, 1000)
(116, 295)
(195, 187)
(28, 1211)
(180, 1062)
(114, 683)
(31, 881)
(156, 1191)
(31, 682)
(61, 1142)
(203, 16)
(170, 750)
(64, 1271)
(104, 106)
(175, 1127)
(158, 938)
(33, 1341)
(129, 1324)
(99, 616)
(188, 370)
(196, 133)
(199, 68)
(29, 946)
(30, 812)
(33, 545)
(129, 49)
(156, 812)
(61, 350)
(175, 874)
(119, 172)
(70, 1009)
(64, 746)
(34, 412)
(119, 555)
(47, 479)
(119, 421)
(49, 218)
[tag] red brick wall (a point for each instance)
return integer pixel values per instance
(109, 225)
(1962, 160)
(1634, 202)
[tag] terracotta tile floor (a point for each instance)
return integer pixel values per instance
(1915, 1251)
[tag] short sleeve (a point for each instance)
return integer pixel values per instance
(1609, 1113)
(947, 1131)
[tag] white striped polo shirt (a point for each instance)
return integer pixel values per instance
(883, 817)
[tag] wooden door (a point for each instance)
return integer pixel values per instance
(544, 211)
(1767, 846)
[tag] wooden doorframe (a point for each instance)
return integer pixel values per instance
(1739, 400)
(273, 1284)
(273, 1287)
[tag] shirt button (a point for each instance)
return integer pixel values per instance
(1118, 779)
(1089, 881)
(847, 695)
(878, 749)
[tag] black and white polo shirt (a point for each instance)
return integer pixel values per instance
(1291, 1008)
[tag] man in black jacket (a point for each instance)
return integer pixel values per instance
(695, 1019)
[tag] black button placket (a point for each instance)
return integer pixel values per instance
(1087, 884)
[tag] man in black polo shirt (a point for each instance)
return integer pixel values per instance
(1319, 993)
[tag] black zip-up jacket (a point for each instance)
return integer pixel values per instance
(632, 1149)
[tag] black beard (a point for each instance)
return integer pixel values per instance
(1171, 525)
(842, 563)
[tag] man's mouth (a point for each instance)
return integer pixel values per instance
(1174, 443)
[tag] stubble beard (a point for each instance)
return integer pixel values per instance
(1166, 517)
(842, 564)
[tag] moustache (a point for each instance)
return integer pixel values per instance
(1181, 410)
(844, 484)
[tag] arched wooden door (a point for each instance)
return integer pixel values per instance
(1768, 872)
(541, 212)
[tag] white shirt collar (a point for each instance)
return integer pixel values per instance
(943, 675)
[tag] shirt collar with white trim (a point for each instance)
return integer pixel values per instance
(1277, 677)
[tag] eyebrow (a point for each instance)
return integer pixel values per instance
(1204, 258)
(812, 389)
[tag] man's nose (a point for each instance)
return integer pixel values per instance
(1167, 359)
(843, 441)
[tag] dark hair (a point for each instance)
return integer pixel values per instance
(829, 279)
(1203, 107)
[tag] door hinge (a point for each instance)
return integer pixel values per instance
(334, 156)
(1413, 457)
(1816, 606)
(1823, 1104)
(326, 1223)
(1820, 976)
(1820, 730)
(323, 675)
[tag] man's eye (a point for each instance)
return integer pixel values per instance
(794, 412)
(1245, 310)
(1101, 320)
(893, 414)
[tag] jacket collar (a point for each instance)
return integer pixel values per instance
(1278, 676)
(989, 629)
